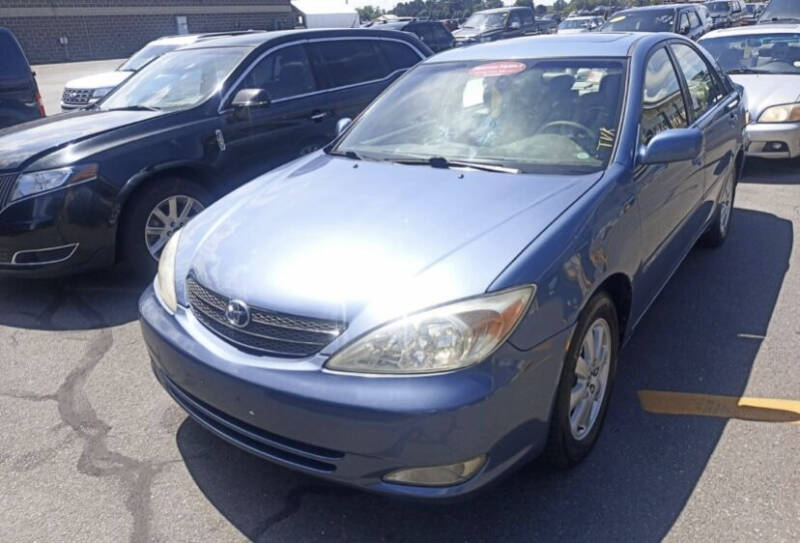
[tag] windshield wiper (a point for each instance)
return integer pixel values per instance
(784, 19)
(347, 154)
(134, 108)
(441, 162)
(748, 71)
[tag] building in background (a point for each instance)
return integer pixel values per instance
(72, 30)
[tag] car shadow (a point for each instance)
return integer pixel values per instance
(82, 302)
(772, 172)
(698, 337)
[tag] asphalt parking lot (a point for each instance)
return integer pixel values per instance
(95, 450)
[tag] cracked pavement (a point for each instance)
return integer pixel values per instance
(94, 450)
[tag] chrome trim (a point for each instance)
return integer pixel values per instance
(46, 262)
(225, 108)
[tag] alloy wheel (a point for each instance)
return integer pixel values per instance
(590, 380)
(725, 205)
(169, 216)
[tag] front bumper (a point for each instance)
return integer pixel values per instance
(761, 138)
(356, 429)
(67, 230)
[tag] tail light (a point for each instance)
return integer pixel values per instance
(39, 104)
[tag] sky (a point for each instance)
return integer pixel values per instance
(389, 4)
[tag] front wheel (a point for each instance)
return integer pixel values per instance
(154, 215)
(586, 382)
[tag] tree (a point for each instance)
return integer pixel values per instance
(524, 3)
(541, 9)
(559, 5)
(368, 13)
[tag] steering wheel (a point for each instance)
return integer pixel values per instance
(577, 127)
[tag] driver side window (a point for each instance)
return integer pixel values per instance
(663, 106)
(284, 73)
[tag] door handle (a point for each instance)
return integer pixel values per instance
(318, 116)
(732, 104)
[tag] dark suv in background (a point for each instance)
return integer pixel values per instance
(781, 11)
(19, 95)
(682, 19)
(726, 13)
(499, 24)
(433, 33)
(81, 189)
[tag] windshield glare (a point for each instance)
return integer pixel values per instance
(768, 53)
(558, 116)
(642, 21)
(486, 20)
(177, 80)
(574, 23)
(145, 55)
(781, 9)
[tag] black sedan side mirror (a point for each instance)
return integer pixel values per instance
(674, 145)
(251, 98)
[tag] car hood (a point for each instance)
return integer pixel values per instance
(326, 237)
(21, 143)
(571, 30)
(764, 90)
(99, 81)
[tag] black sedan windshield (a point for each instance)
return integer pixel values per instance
(649, 20)
(757, 53)
(529, 115)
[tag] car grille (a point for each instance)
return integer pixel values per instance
(6, 186)
(76, 96)
(268, 332)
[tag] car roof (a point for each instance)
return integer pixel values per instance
(605, 44)
(502, 10)
(657, 7)
(754, 29)
(256, 39)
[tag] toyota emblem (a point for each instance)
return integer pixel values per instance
(237, 314)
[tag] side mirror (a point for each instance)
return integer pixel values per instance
(250, 98)
(516, 25)
(674, 145)
(342, 124)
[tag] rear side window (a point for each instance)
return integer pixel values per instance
(425, 32)
(284, 73)
(704, 89)
(527, 18)
(662, 103)
(13, 64)
(349, 62)
(694, 19)
(399, 55)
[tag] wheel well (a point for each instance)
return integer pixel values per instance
(183, 172)
(618, 287)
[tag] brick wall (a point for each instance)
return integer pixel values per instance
(104, 29)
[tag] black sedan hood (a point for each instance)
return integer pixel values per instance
(20, 143)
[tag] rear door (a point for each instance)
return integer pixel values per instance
(18, 92)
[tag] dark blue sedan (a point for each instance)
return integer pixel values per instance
(442, 293)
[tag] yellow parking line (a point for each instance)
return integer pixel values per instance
(728, 407)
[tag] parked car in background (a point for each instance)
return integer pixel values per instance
(433, 33)
(19, 94)
(781, 11)
(705, 17)
(497, 24)
(441, 294)
(726, 13)
(576, 25)
(87, 90)
(88, 188)
(765, 60)
(752, 13)
(678, 18)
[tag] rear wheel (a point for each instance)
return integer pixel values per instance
(586, 382)
(154, 215)
(717, 233)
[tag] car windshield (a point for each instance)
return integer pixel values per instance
(485, 21)
(781, 10)
(757, 53)
(177, 80)
(146, 54)
(558, 116)
(719, 7)
(650, 20)
(574, 23)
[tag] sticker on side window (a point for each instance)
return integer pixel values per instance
(497, 69)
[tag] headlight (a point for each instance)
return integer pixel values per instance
(99, 93)
(781, 114)
(36, 182)
(441, 339)
(165, 280)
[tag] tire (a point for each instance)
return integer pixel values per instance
(569, 443)
(141, 210)
(720, 227)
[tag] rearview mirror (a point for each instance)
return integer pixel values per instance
(342, 124)
(249, 98)
(674, 145)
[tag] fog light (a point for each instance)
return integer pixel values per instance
(775, 147)
(437, 475)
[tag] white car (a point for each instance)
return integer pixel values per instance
(85, 91)
(576, 25)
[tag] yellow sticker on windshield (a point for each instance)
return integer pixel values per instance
(616, 19)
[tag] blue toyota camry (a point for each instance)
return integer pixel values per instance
(442, 293)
